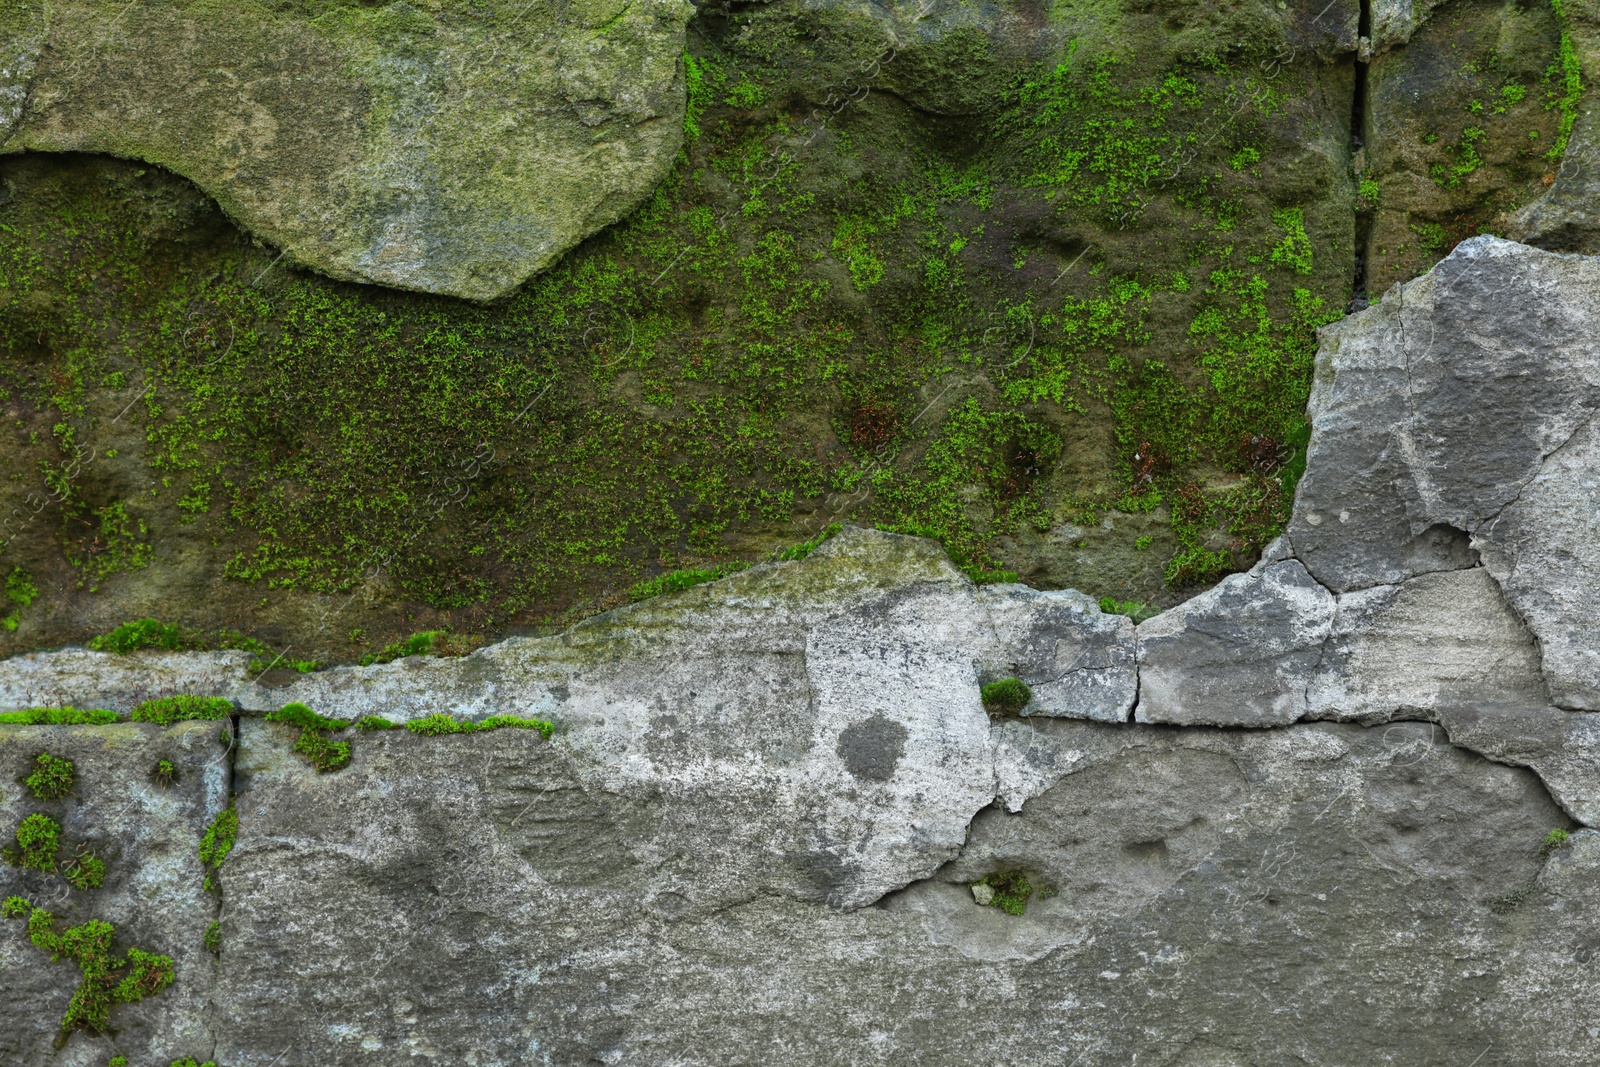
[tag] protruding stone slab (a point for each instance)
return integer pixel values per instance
(449, 148)
(1436, 640)
(1460, 407)
(1240, 654)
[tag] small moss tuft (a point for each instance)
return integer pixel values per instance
(52, 777)
(84, 871)
(1010, 891)
(213, 938)
(324, 755)
(438, 725)
(165, 773)
(38, 842)
(1008, 696)
(167, 710)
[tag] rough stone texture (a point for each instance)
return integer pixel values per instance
(446, 148)
(1436, 414)
(1221, 897)
(147, 836)
(77, 677)
(1238, 654)
(1437, 640)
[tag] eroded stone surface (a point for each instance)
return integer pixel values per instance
(470, 895)
(1240, 654)
(1436, 411)
(147, 836)
(446, 148)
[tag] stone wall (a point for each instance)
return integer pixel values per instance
(1333, 811)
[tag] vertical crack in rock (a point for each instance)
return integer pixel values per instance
(1358, 131)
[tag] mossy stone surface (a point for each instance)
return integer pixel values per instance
(442, 147)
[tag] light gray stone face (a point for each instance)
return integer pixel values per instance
(147, 836)
(1440, 417)
(1240, 654)
(1437, 640)
(1324, 888)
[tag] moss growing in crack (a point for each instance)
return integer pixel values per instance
(52, 777)
(190, 1061)
(303, 718)
(1008, 696)
(1137, 610)
(107, 979)
(1007, 890)
(38, 842)
(312, 742)
(213, 938)
(325, 756)
(59, 717)
(217, 842)
(164, 773)
(1554, 841)
(440, 725)
(375, 722)
(165, 711)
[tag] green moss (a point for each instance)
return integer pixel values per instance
(497, 722)
(1011, 891)
(213, 938)
(164, 774)
(374, 722)
(190, 1061)
(1554, 841)
(217, 842)
(1008, 696)
(168, 710)
(52, 777)
(677, 581)
(1294, 251)
(1565, 78)
(312, 742)
(143, 634)
(1137, 610)
(426, 643)
(38, 841)
(107, 979)
(21, 591)
(59, 717)
(303, 718)
(84, 870)
(805, 548)
(324, 755)
(441, 724)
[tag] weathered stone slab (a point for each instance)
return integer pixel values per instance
(1240, 654)
(448, 148)
(147, 836)
(1436, 411)
(77, 677)
(1324, 888)
(1436, 640)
